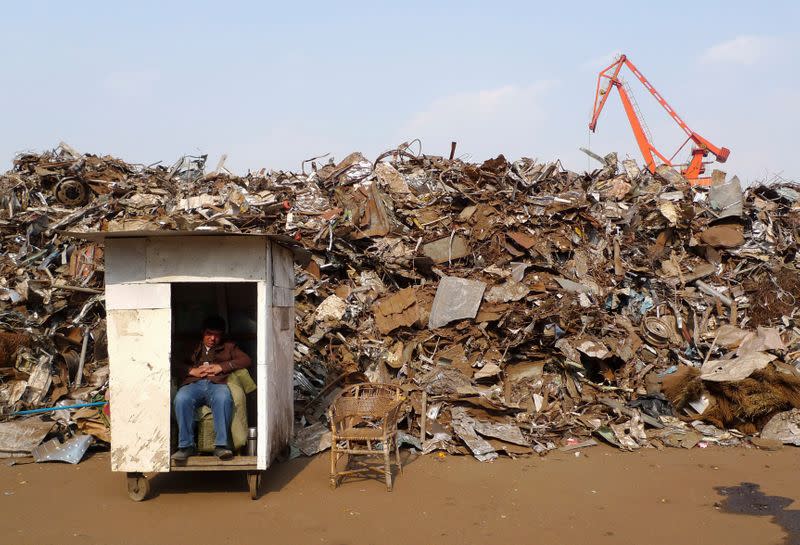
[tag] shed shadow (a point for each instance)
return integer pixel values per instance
(273, 479)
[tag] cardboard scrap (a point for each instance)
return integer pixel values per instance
(723, 236)
(398, 310)
(730, 336)
(511, 290)
(764, 338)
(331, 309)
(735, 369)
(454, 355)
(524, 370)
(630, 435)
(490, 369)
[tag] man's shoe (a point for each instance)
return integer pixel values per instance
(223, 453)
(182, 454)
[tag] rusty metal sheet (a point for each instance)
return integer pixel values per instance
(368, 212)
(445, 249)
(456, 299)
(524, 240)
(20, 437)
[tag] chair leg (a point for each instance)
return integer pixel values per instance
(387, 467)
(333, 464)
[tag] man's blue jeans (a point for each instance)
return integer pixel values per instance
(197, 394)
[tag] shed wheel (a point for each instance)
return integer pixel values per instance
(253, 483)
(138, 486)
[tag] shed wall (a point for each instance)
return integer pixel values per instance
(281, 348)
(139, 387)
(185, 259)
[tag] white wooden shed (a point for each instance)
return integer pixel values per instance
(156, 284)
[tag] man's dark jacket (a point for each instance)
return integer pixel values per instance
(226, 354)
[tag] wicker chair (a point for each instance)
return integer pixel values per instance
(364, 423)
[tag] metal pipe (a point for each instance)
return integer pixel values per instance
(424, 423)
(50, 409)
(713, 292)
(82, 361)
(80, 289)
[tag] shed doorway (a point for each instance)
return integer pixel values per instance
(236, 303)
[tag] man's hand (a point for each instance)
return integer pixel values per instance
(197, 372)
(212, 370)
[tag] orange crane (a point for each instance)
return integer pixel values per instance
(609, 78)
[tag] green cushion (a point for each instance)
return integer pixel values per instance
(240, 384)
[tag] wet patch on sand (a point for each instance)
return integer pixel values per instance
(748, 499)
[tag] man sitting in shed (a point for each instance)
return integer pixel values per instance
(202, 378)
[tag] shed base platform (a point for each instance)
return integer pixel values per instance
(212, 463)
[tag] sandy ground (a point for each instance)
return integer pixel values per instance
(601, 496)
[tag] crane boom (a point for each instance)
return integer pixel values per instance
(608, 78)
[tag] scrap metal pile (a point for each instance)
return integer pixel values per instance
(523, 307)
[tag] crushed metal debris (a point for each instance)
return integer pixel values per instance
(522, 307)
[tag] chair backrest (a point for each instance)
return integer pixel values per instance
(366, 400)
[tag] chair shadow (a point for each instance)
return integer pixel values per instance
(376, 469)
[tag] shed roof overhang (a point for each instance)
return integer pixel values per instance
(301, 255)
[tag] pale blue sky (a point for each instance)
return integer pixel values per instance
(271, 85)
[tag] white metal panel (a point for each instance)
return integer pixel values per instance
(132, 296)
(125, 260)
(139, 388)
(282, 297)
(262, 380)
(282, 267)
(281, 383)
(206, 259)
(280, 350)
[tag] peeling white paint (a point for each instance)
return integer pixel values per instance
(130, 296)
(139, 388)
